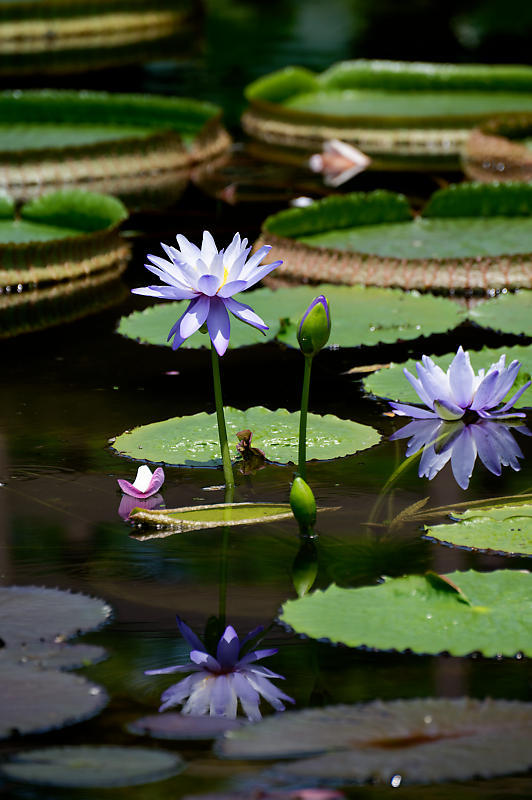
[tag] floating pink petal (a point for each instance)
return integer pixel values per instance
(145, 484)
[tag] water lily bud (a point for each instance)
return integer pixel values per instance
(315, 327)
(303, 505)
(305, 567)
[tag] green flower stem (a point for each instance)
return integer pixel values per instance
(302, 455)
(222, 431)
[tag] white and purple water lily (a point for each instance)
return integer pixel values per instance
(145, 484)
(449, 395)
(441, 442)
(208, 278)
(219, 683)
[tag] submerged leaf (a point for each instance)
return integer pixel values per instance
(410, 613)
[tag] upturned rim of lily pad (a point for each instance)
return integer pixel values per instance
(161, 518)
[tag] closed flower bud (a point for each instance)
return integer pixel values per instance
(315, 327)
(303, 505)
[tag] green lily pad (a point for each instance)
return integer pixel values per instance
(504, 529)
(360, 315)
(99, 767)
(54, 138)
(152, 325)
(468, 235)
(61, 235)
(182, 726)
(372, 103)
(419, 614)
(399, 113)
(391, 382)
(31, 614)
(432, 238)
(193, 441)
(370, 315)
(39, 700)
(508, 313)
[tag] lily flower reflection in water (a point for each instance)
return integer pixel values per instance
(451, 395)
(460, 443)
(220, 682)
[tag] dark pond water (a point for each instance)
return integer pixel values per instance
(69, 389)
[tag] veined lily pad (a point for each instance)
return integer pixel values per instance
(391, 383)
(98, 767)
(193, 441)
(55, 138)
(61, 235)
(468, 236)
(504, 529)
(508, 313)
(400, 113)
(492, 614)
(39, 700)
(360, 316)
(173, 725)
(411, 741)
(31, 614)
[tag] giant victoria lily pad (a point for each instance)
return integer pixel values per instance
(193, 441)
(467, 236)
(119, 141)
(360, 316)
(459, 613)
(99, 767)
(503, 529)
(402, 741)
(392, 383)
(60, 235)
(413, 115)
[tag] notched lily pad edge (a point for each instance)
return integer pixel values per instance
(469, 549)
(363, 648)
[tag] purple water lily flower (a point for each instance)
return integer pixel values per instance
(208, 278)
(449, 395)
(145, 484)
(219, 683)
(491, 440)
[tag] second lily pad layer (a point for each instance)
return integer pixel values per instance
(491, 615)
(360, 315)
(391, 382)
(504, 529)
(193, 441)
